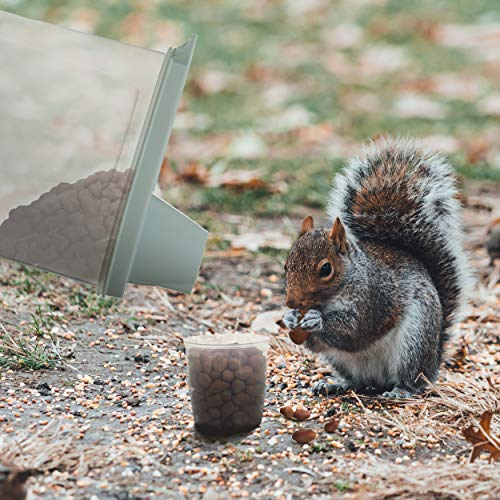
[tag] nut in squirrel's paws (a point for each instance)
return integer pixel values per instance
(291, 320)
(298, 336)
(312, 321)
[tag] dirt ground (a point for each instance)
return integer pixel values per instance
(112, 418)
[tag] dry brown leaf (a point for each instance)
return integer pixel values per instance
(490, 105)
(483, 439)
(314, 134)
(380, 59)
(413, 105)
(243, 180)
(477, 150)
(231, 253)
(344, 36)
(213, 82)
(166, 174)
(195, 172)
(445, 144)
(264, 239)
(83, 19)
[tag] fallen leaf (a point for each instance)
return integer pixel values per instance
(165, 34)
(412, 105)
(381, 59)
(289, 119)
(477, 149)
(314, 134)
(166, 174)
(241, 180)
(248, 145)
(490, 105)
(229, 254)
(445, 144)
(343, 36)
(133, 27)
(264, 239)
(83, 19)
(483, 439)
(457, 86)
(267, 321)
(276, 94)
(212, 82)
(481, 38)
(185, 120)
(195, 172)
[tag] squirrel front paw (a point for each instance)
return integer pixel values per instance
(312, 321)
(291, 319)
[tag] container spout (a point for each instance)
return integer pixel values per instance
(170, 249)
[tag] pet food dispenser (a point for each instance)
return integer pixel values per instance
(84, 125)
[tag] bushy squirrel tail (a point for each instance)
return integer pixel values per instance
(399, 194)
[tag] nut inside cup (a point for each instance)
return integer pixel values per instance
(227, 379)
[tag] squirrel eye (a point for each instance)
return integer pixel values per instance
(325, 270)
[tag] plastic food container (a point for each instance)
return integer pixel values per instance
(227, 379)
(84, 126)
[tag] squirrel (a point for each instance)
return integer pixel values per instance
(378, 291)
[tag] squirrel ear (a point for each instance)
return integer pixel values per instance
(307, 225)
(338, 236)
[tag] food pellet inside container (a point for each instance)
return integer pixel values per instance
(227, 388)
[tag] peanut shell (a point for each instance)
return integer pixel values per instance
(304, 436)
(302, 414)
(331, 426)
(287, 412)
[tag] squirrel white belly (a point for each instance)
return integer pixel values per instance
(378, 291)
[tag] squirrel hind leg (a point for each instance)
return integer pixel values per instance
(399, 393)
(326, 387)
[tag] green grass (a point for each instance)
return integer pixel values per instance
(342, 486)
(91, 305)
(31, 348)
(27, 280)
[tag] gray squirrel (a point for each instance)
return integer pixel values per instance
(377, 292)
